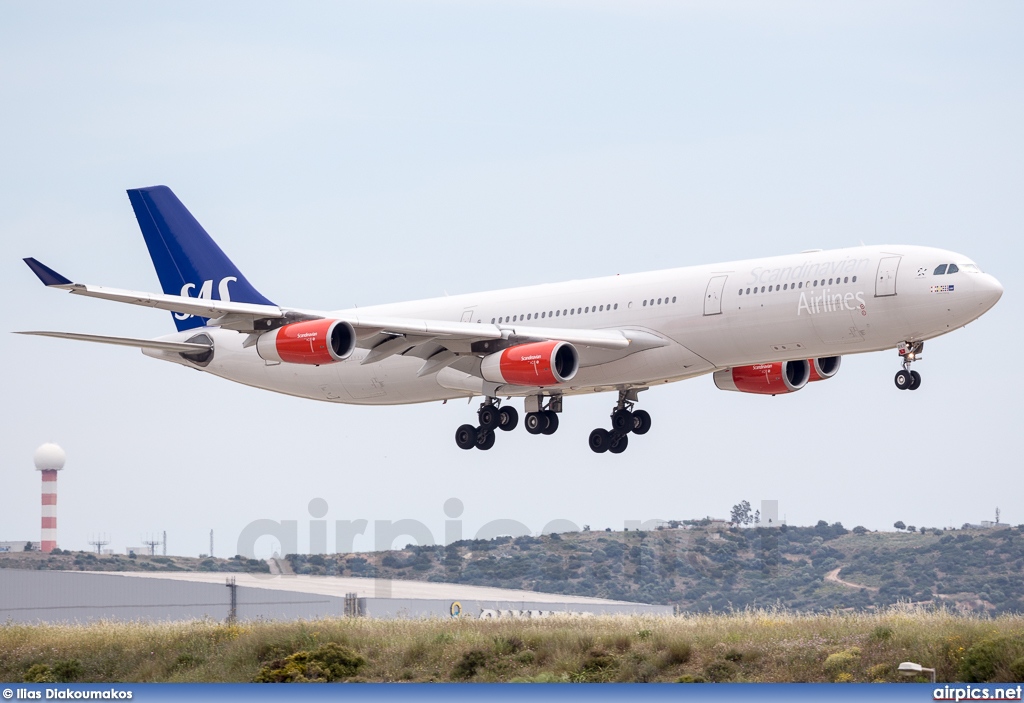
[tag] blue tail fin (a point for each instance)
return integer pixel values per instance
(187, 260)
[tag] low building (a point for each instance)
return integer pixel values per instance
(81, 596)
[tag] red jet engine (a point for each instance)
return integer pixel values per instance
(534, 364)
(312, 342)
(765, 379)
(824, 367)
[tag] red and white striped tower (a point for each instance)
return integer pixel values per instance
(49, 459)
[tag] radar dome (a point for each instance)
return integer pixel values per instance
(49, 457)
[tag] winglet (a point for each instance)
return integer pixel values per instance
(47, 275)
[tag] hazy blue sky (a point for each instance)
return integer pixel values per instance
(355, 154)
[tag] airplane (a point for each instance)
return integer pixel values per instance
(764, 326)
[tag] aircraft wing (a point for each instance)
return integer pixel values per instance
(437, 340)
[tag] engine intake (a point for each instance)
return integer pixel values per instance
(534, 364)
(765, 379)
(824, 367)
(312, 342)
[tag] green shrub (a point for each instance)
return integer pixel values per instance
(677, 653)
(993, 659)
(691, 678)
(1017, 670)
(882, 633)
(67, 670)
(842, 662)
(330, 662)
(720, 671)
(597, 667)
(468, 665)
(39, 673)
(734, 655)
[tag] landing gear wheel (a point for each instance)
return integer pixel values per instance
(485, 439)
(489, 417)
(619, 444)
(903, 379)
(508, 418)
(622, 421)
(536, 423)
(466, 437)
(915, 380)
(552, 418)
(641, 422)
(600, 440)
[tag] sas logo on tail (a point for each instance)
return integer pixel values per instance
(206, 293)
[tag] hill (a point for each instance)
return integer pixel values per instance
(61, 560)
(701, 569)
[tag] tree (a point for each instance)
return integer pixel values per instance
(923, 529)
(899, 525)
(740, 514)
(757, 517)
(859, 530)
(911, 528)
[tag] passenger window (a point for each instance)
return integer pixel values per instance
(801, 284)
(492, 320)
(586, 309)
(953, 268)
(572, 311)
(616, 306)
(673, 299)
(854, 279)
(940, 270)
(846, 279)
(830, 281)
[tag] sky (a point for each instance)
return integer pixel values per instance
(351, 154)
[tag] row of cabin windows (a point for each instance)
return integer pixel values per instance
(794, 286)
(571, 311)
(942, 269)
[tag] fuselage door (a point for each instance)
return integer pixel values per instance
(885, 281)
(467, 315)
(713, 296)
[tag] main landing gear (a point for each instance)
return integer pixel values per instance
(905, 378)
(491, 417)
(541, 418)
(624, 421)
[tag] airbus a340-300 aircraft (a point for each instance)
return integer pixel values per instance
(767, 326)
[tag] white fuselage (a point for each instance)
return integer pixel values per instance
(801, 306)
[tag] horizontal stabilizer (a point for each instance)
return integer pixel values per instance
(183, 347)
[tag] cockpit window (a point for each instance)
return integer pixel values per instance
(940, 270)
(952, 268)
(969, 268)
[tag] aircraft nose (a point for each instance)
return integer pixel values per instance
(990, 288)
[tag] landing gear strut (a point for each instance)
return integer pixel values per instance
(905, 378)
(491, 417)
(542, 418)
(624, 421)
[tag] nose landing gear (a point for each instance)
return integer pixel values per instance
(624, 421)
(491, 417)
(905, 378)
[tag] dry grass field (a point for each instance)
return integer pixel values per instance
(754, 645)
